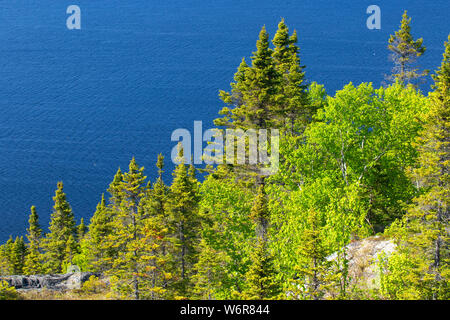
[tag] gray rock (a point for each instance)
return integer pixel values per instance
(60, 282)
(362, 257)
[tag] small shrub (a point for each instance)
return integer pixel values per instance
(7, 292)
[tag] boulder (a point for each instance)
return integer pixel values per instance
(362, 258)
(62, 282)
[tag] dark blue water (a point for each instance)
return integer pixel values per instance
(75, 105)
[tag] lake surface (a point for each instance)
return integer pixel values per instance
(76, 104)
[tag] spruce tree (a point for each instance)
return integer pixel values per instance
(33, 260)
(8, 250)
(162, 239)
(101, 252)
(127, 224)
(262, 282)
(210, 273)
(18, 253)
(62, 227)
(81, 230)
(423, 258)
(115, 189)
(183, 210)
(405, 51)
(314, 274)
(71, 249)
(293, 107)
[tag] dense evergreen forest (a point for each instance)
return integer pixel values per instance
(364, 162)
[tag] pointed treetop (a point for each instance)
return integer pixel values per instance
(34, 230)
(405, 50)
(160, 165)
(442, 76)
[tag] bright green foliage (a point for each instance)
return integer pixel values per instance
(348, 166)
(33, 260)
(405, 51)
(62, 228)
(420, 269)
(226, 230)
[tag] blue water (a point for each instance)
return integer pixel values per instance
(76, 104)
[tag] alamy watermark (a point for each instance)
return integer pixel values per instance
(74, 20)
(255, 147)
(374, 20)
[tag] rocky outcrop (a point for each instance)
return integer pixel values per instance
(61, 282)
(362, 258)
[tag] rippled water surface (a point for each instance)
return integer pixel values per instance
(75, 105)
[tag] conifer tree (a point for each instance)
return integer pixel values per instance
(262, 280)
(81, 230)
(314, 275)
(115, 189)
(155, 265)
(255, 92)
(127, 224)
(293, 106)
(424, 256)
(101, 252)
(33, 260)
(405, 51)
(7, 257)
(71, 249)
(183, 209)
(159, 218)
(62, 227)
(209, 272)
(18, 254)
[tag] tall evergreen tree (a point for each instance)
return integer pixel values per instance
(127, 224)
(33, 260)
(405, 51)
(101, 252)
(262, 280)
(183, 210)
(314, 275)
(62, 227)
(115, 189)
(81, 230)
(255, 92)
(19, 251)
(422, 263)
(293, 107)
